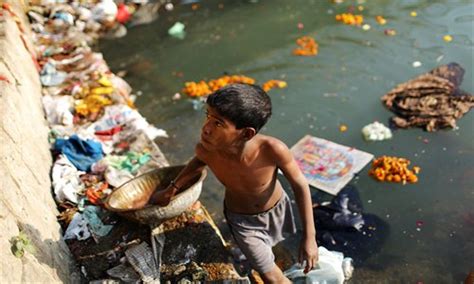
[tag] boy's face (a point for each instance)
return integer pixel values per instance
(217, 132)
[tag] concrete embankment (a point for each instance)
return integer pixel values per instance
(26, 203)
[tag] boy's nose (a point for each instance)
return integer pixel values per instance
(206, 129)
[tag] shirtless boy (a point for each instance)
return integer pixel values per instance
(256, 207)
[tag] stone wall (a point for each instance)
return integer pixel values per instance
(26, 202)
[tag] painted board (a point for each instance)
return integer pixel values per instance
(326, 165)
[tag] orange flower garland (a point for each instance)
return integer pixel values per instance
(203, 88)
(270, 84)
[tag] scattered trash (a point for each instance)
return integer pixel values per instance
(413, 13)
(328, 270)
(376, 131)
(177, 30)
(142, 260)
(77, 229)
(390, 32)
(393, 169)
(366, 27)
(123, 13)
(81, 153)
(416, 64)
(176, 96)
(169, 6)
(307, 46)
(342, 128)
(67, 183)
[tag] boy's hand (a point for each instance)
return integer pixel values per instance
(309, 252)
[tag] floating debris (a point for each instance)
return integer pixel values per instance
(432, 100)
(413, 14)
(308, 46)
(381, 20)
(270, 84)
(203, 88)
(177, 30)
(350, 19)
(393, 169)
(447, 38)
(416, 64)
(376, 132)
(390, 32)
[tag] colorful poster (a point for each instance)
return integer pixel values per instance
(326, 165)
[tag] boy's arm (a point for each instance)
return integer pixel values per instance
(287, 164)
(190, 171)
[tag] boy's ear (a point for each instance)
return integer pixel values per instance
(248, 133)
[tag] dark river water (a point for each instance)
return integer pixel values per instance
(341, 85)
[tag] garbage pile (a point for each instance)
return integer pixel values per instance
(431, 101)
(98, 139)
(93, 18)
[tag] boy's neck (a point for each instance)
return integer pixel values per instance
(237, 152)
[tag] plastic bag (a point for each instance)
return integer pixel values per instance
(328, 270)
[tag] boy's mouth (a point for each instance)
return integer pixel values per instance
(205, 140)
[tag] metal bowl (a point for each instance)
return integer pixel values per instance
(128, 199)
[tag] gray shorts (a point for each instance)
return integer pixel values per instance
(256, 234)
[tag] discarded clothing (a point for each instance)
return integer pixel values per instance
(142, 260)
(77, 229)
(432, 100)
(96, 226)
(67, 183)
(341, 226)
(57, 109)
(81, 153)
(50, 76)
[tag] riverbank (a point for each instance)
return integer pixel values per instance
(98, 140)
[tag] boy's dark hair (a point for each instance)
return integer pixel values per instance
(245, 105)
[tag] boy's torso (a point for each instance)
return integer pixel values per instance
(251, 183)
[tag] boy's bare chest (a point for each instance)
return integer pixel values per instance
(241, 176)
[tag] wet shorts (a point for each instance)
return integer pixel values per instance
(256, 234)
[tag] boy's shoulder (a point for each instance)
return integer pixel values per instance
(270, 143)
